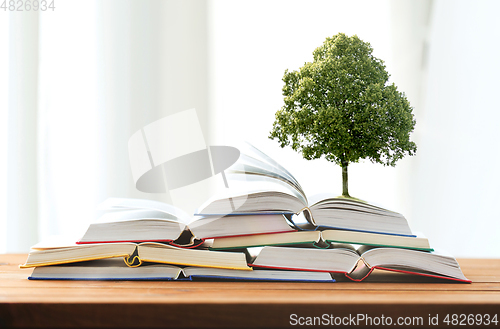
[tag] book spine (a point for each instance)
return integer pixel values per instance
(190, 246)
(359, 279)
(133, 260)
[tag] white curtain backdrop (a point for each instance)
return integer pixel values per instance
(81, 81)
(4, 105)
(455, 181)
(76, 83)
(21, 111)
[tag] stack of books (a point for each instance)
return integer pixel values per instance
(298, 239)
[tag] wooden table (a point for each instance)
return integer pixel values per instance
(122, 304)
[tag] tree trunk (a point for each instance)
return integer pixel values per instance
(345, 191)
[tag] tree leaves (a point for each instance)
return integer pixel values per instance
(341, 106)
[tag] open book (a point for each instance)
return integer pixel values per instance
(138, 220)
(115, 269)
(50, 253)
(264, 186)
(322, 239)
(346, 259)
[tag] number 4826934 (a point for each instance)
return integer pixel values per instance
(27, 5)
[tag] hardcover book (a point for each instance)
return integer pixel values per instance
(322, 239)
(116, 269)
(45, 254)
(264, 186)
(138, 220)
(346, 259)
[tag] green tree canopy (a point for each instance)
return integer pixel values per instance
(341, 106)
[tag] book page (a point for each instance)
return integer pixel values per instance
(258, 162)
(253, 152)
(111, 204)
(249, 165)
(135, 214)
(255, 194)
(437, 262)
(323, 199)
(260, 183)
(57, 241)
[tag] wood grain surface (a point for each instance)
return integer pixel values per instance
(171, 304)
